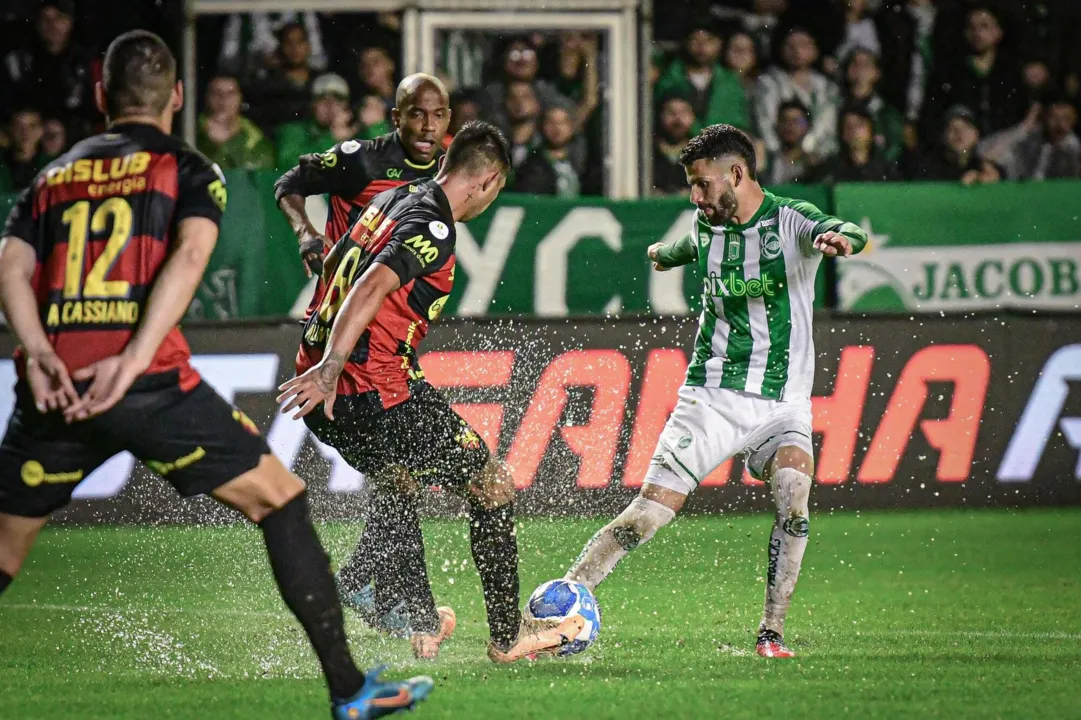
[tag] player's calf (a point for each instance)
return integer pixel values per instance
(639, 522)
(787, 544)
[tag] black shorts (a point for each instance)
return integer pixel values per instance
(195, 440)
(422, 435)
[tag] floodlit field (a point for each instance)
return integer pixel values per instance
(909, 614)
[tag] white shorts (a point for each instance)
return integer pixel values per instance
(711, 425)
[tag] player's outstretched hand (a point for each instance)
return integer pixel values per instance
(318, 385)
(110, 379)
(651, 251)
(311, 252)
(833, 244)
(50, 382)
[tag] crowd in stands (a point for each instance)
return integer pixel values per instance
(831, 90)
(874, 90)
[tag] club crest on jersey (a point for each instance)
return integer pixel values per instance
(771, 245)
(734, 241)
(704, 238)
(684, 442)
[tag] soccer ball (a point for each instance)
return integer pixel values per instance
(559, 599)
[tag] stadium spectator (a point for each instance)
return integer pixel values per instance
(957, 156)
(227, 137)
(373, 117)
(331, 122)
(674, 129)
(741, 57)
(859, 159)
(861, 77)
(464, 108)
(50, 72)
(905, 31)
(798, 81)
(376, 75)
(1036, 80)
(792, 162)
(1039, 148)
(578, 79)
(522, 111)
(520, 64)
(462, 56)
(281, 94)
(549, 169)
(54, 138)
(985, 79)
(24, 157)
(715, 92)
(250, 41)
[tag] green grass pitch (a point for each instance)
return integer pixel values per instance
(909, 614)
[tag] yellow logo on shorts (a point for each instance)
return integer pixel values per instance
(246, 421)
(164, 468)
(34, 474)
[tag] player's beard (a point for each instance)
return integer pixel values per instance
(722, 212)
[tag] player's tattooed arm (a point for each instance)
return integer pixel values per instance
(319, 384)
(329, 370)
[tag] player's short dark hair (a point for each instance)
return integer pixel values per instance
(476, 148)
(138, 74)
(717, 141)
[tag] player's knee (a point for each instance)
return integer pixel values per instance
(792, 491)
(492, 486)
(259, 492)
(639, 522)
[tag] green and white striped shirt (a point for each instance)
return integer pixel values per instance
(758, 288)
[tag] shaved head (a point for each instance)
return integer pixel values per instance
(421, 116)
(412, 85)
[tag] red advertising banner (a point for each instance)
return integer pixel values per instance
(974, 411)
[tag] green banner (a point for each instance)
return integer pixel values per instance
(947, 247)
(526, 255)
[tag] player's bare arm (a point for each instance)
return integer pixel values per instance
(311, 241)
(666, 256)
(318, 384)
(47, 374)
(169, 300)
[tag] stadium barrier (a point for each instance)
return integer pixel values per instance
(972, 411)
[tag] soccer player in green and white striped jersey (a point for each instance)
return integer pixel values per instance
(748, 387)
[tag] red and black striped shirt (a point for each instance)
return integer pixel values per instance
(352, 173)
(410, 230)
(102, 219)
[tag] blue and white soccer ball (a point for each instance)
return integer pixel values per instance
(559, 599)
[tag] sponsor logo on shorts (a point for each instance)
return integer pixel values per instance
(437, 307)
(797, 526)
(33, 474)
(467, 439)
(164, 468)
(246, 421)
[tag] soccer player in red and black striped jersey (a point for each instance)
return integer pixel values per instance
(352, 173)
(100, 258)
(387, 278)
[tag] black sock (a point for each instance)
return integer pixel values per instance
(357, 572)
(5, 580)
(495, 552)
(302, 570)
(404, 574)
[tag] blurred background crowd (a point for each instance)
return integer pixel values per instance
(832, 90)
